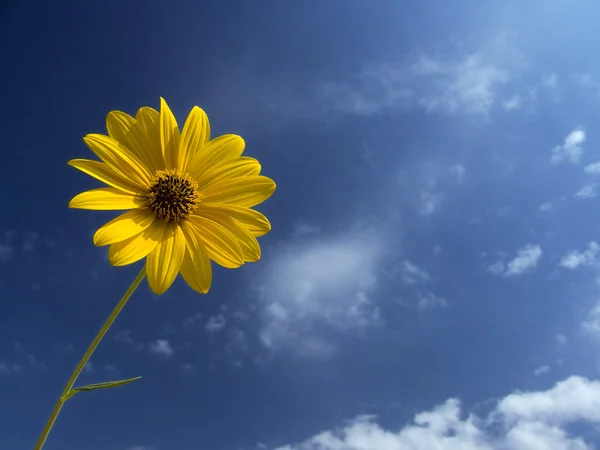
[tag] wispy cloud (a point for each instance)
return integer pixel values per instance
(89, 367)
(189, 369)
(587, 81)
(215, 323)
(587, 191)
(496, 268)
(125, 337)
(522, 420)
(550, 81)
(548, 84)
(526, 259)
(459, 172)
(318, 281)
(511, 103)
(592, 168)
(575, 258)
(9, 368)
(237, 341)
(465, 84)
(591, 324)
(412, 274)
(428, 300)
(25, 357)
(571, 149)
(541, 370)
(6, 253)
(161, 347)
(430, 202)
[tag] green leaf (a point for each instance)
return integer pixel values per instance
(105, 385)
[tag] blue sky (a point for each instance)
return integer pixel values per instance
(433, 272)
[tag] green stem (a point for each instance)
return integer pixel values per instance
(86, 357)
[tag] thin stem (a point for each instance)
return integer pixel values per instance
(86, 357)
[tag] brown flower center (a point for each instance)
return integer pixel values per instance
(173, 196)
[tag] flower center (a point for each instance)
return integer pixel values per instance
(173, 196)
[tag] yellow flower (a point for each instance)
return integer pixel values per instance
(188, 198)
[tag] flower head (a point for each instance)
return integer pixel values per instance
(188, 198)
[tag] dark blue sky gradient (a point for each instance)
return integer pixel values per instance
(265, 70)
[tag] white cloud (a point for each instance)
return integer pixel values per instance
(429, 300)
(465, 84)
(430, 202)
(412, 274)
(314, 282)
(561, 339)
(587, 191)
(591, 324)
(189, 369)
(545, 206)
(237, 342)
(459, 172)
(303, 229)
(526, 259)
(6, 253)
(520, 421)
(497, 268)
(575, 398)
(215, 323)
(571, 149)
(593, 168)
(586, 81)
(124, 336)
(511, 103)
(9, 368)
(541, 370)
(161, 347)
(575, 258)
(550, 81)
(89, 367)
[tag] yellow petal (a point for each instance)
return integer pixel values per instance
(148, 121)
(169, 135)
(123, 227)
(243, 191)
(248, 243)
(164, 262)
(107, 199)
(254, 221)
(195, 134)
(104, 173)
(137, 247)
(220, 149)
(231, 168)
(196, 269)
(129, 132)
(119, 158)
(222, 247)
